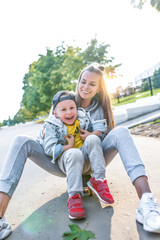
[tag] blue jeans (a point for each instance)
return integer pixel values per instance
(118, 140)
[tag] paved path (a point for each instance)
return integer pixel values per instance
(38, 208)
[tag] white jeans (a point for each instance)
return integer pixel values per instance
(75, 162)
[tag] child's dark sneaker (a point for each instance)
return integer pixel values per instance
(75, 207)
(101, 189)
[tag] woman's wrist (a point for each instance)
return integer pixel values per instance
(97, 133)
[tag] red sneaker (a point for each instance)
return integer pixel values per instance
(101, 189)
(75, 207)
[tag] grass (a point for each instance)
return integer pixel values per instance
(151, 123)
(132, 98)
(156, 121)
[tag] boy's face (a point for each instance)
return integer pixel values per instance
(66, 111)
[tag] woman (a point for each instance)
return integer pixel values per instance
(92, 95)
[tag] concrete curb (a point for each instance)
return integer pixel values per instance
(141, 107)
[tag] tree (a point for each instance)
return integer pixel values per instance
(43, 76)
(111, 70)
(71, 67)
(51, 73)
(96, 53)
(59, 70)
(156, 79)
(31, 98)
(154, 3)
(118, 93)
(145, 85)
(22, 115)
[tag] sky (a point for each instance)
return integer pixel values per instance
(29, 27)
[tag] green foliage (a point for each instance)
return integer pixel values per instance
(59, 70)
(155, 4)
(156, 79)
(72, 64)
(96, 53)
(19, 117)
(111, 70)
(140, 3)
(8, 122)
(132, 98)
(145, 85)
(50, 74)
(39, 82)
(77, 233)
(1, 124)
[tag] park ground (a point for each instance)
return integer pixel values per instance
(38, 209)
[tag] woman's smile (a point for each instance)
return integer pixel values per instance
(89, 85)
(85, 92)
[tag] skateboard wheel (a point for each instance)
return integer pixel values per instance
(90, 192)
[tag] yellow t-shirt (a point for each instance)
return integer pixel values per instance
(74, 130)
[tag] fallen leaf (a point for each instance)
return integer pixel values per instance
(77, 233)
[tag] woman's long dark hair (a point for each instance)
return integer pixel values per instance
(103, 94)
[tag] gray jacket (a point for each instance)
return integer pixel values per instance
(96, 112)
(51, 136)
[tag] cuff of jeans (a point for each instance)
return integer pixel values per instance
(139, 171)
(7, 187)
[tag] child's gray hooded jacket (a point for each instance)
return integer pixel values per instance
(51, 136)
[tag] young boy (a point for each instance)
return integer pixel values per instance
(61, 139)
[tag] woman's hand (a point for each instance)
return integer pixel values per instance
(84, 134)
(70, 140)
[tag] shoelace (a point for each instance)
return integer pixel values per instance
(153, 206)
(1, 225)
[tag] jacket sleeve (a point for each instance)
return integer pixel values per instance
(51, 144)
(100, 125)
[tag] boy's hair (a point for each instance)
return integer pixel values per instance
(61, 96)
(103, 94)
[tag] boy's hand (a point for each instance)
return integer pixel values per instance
(84, 134)
(70, 140)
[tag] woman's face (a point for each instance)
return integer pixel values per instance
(88, 85)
